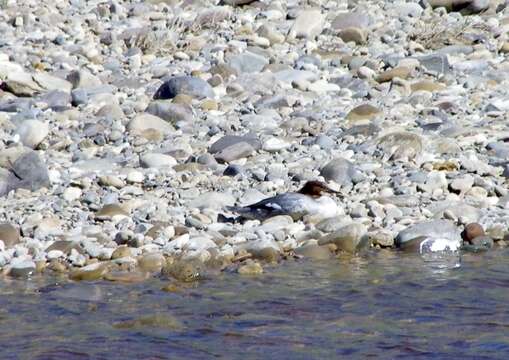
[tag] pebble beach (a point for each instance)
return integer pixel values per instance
(128, 127)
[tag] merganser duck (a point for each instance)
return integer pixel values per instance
(307, 201)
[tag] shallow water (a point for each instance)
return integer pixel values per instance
(387, 305)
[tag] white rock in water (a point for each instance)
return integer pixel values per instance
(441, 252)
(32, 132)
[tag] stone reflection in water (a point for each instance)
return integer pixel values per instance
(440, 254)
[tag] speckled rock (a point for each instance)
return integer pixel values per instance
(185, 271)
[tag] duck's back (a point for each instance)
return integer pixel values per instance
(294, 204)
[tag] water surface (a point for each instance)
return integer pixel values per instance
(387, 305)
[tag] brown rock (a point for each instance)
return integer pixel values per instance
(250, 268)
(353, 34)
(472, 231)
(183, 99)
(57, 266)
(209, 105)
(90, 272)
(185, 271)
(120, 252)
(9, 234)
(363, 112)
(40, 266)
(223, 70)
(268, 254)
(401, 72)
(152, 135)
(427, 85)
(109, 211)
(151, 262)
(171, 287)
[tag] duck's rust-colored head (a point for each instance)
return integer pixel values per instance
(316, 188)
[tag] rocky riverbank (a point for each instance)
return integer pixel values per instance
(127, 127)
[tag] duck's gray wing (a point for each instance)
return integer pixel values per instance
(284, 204)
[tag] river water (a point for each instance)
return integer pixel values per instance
(386, 305)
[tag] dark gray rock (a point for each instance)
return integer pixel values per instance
(170, 112)
(16, 105)
(56, 100)
(79, 97)
(236, 2)
(466, 7)
(233, 152)
(188, 85)
(340, 171)
(28, 172)
(356, 19)
(206, 159)
(233, 170)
